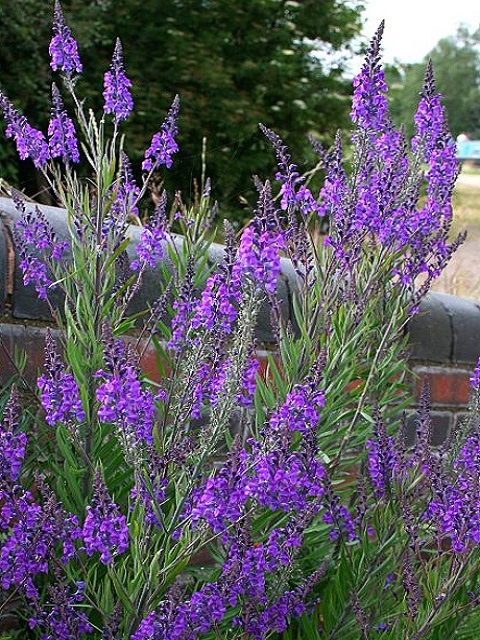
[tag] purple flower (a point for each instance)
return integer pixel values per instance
(35, 230)
(58, 389)
(63, 47)
(124, 401)
(32, 539)
(301, 409)
(12, 442)
(150, 490)
(105, 528)
(30, 142)
(61, 130)
(258, 256)
(151, 246)
(249, 382)
(370, 106)
(33, 233)
(186, 620)
(163, 144)
(60, 617)
(126, 192)
(217, 308)
(294, 194)
(35, 272)
(118, 99)
(383, 459)
(430, 116)
(270, 474)
(183, 307)
(275, 617)
(455, 505)
(337, 515)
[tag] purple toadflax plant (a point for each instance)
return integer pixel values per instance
(309, 515)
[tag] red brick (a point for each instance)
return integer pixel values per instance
(448, 386)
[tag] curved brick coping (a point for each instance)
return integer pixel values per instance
(446, 329)
(22, 302)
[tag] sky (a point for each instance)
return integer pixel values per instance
(413, 27)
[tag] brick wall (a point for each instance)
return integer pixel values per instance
(444, 336)
(445, 340)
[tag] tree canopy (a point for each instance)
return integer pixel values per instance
(233, 64)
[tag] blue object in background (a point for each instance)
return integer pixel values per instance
(468, 149)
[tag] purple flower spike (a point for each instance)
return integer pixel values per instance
(369, 106)
(62, 618)
(105, 528)
(61, 131)
(163, 144)
(151, 246)
(430, 118)
(12, 442)
(58, 389)
(63, 47)
(118, 99)
(30, 142)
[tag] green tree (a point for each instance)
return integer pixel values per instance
(234, 64)
(456, 62)
(25, 31)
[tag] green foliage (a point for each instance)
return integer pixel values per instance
(456, 61)
(234, 64)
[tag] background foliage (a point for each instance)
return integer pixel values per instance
(456, 61)
(234, 64)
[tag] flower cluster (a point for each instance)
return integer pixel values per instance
(455, 506)
(59, 392)
(370, 106)
(151, 245)
(105, 529)
(124, 207)
(295, 195)
(33, 233)
(383, 459)
(62, 617)
(123, 400)
(33, 532)
(117, 96)
(260, 245)
(30, 142)
(183, 306)
(163, 144)
(61, 131)
(36, 232)
(268, 474)
(12, 443)
(150, 490)
(63, 47)
(475, 377)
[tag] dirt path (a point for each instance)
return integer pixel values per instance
(462, 275)
(469, 179)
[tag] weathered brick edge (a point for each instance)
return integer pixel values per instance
(444, 335)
